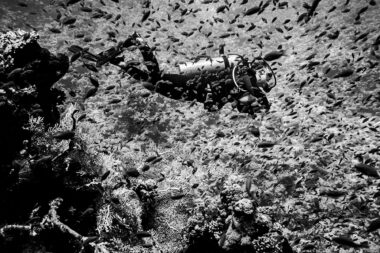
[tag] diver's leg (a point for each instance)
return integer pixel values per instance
(150, 61)
(262, 98)
(132, 40)
(136, 73)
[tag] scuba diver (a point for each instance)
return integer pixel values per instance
(211, 81)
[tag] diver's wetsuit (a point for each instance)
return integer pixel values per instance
(214, 90)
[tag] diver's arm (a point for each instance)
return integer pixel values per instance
(248, 83)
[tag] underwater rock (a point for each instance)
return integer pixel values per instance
(27, 73)
(16, 44)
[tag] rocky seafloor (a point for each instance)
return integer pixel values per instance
(92, 161)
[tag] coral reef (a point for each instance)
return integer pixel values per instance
(231, 218)
(46, 175)
(123, 217)
(313, 158)
(26, 81)
(14, 44)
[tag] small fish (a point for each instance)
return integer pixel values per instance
(71, 2)
(321, 34)
(54, 30)
(145, 16)
(75, 56)
(81, 117)
(131, 172)
(301, 17)
(176, 196)
(373, 225)
(252, 11)
(273, 55)
(114, 101)
(346, 241)
(331, 9)
(43, 160)
(311, 56)
(85, 9)
(282, 5)
(224, 35)
(94, 81)
(184, 11)
(64, 135)
(333, 193)
(255, 131)
(279, 30)
(221, 8)
(79, 35)
(88, 211)
(143, 234)
(158, 159)
(176, 6)
(195, 185)
(108, 16)
(22, 4)
(253, 26)
(333, 35)
(344, 73)
(105, 175)
(14, 74)
(265, 144)
(367, 170)
(90, 93)
(288, 28)
(68, 20)
(145, 167)
(90, 67)
(97, 15)
(265, 5)
(150, 159)
(148, 86)
(362, 10)
(312, 64)
(248, 185)
(260, 44)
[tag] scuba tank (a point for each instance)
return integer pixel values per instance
(208, 64)
(264, 75)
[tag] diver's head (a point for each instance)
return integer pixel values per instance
(264, 74)
(259, 72)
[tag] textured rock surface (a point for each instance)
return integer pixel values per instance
(26, 78)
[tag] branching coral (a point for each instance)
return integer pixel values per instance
(128, 213)
(231, 218)
(36, 166)
(10, 43)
